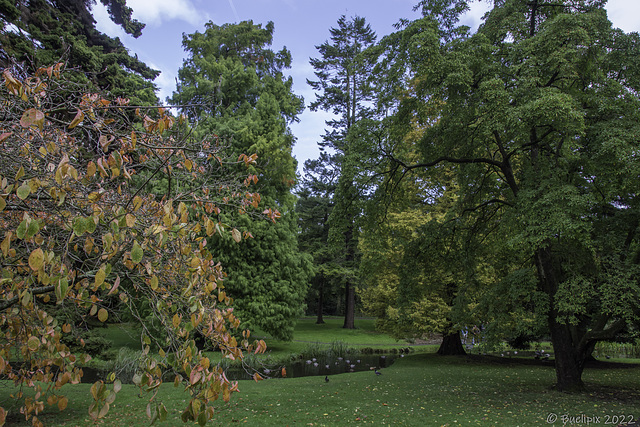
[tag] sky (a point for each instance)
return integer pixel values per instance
(300, 26)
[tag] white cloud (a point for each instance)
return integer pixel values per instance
(624, 14)
(155, 12)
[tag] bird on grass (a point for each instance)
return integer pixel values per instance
(377, 372)
(326, 379)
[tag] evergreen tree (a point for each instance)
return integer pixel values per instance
(342, 88)
(39, 33)
(313, 209)
(236, 89)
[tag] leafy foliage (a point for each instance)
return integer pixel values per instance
(79, 236)
(536, 118)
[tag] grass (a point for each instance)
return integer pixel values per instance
(421, 389)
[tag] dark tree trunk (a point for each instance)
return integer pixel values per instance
(320, 320)
(350, 306)
(569, 361)
(349, 289)
(451, 345)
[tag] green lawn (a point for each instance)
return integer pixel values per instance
(420, 389)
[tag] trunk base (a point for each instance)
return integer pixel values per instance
(451, 345)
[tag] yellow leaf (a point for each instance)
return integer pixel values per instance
(137, 203)
(91, 169)
(62, 403)
(36, 259)
(20, 173)
(237, 236)
(100, 276)
(176, 320)
(130, 220)
(103, 315)
(154, 282)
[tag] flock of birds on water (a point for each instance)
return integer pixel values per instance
(348, 362)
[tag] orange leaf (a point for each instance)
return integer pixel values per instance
(77, 119)
(62, 403)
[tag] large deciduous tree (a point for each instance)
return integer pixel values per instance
(37, 33)
(238, 90)
(342, 88)
(538, 122)
(76, 235)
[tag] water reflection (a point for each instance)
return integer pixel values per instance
(321, 367)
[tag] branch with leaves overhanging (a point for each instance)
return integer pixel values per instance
(80, 229)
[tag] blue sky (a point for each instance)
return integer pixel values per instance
(300, 25)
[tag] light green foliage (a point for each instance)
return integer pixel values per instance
(233, 84)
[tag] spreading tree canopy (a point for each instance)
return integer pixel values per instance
(538, 121)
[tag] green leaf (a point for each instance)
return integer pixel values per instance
(136, 253)
(79, 226)
(22, 229)
(33, 343)
(90, 224)
(23, 191)
(62, 287)
(32, 229)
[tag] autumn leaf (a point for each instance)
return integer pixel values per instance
(136, 253)
(103, 315)
(77, 119)
(36, 259)
(237, 236)
(33, 343)
(32, 117)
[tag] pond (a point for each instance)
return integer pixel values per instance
(320, 366)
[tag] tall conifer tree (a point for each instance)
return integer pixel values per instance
(342, 89)
(239, 94)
